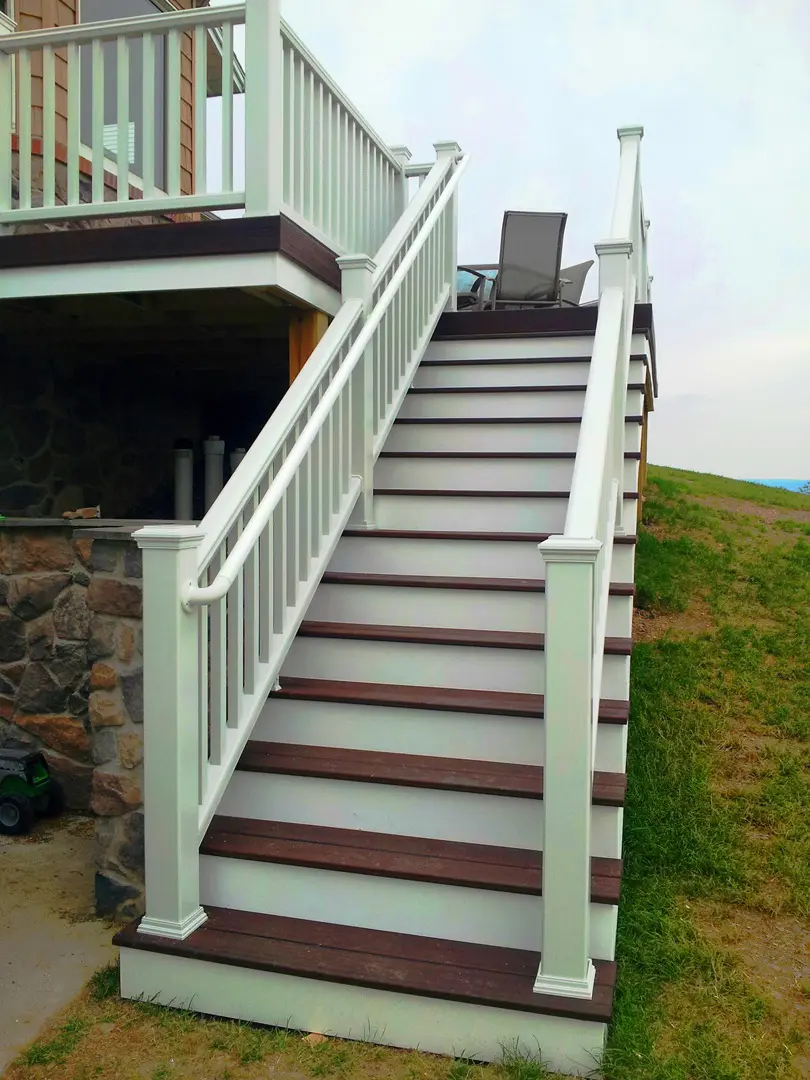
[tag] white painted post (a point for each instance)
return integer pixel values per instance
(566, 968)
(450, 150)
(214, 450)
(6, 118)
(171, 732)
(615, 261)
(403, 156)
(356, 274)
(264, 153)
(183, 483)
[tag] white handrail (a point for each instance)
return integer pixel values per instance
(195, 595)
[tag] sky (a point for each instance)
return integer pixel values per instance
(535, 89)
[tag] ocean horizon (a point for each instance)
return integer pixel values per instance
(790, 485)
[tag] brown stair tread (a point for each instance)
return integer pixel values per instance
(378, 959)
(497, 455)
(506, 537)
(439, 635)
(443, 862)
(415, 770)
(559, 388)
(472, 493)
(505, 360)
(502, 420)
(412, 581)
(439, 698)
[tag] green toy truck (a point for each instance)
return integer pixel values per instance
(26, 788)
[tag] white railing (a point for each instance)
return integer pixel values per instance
(224, 600)
(578, 570)
(111, 118)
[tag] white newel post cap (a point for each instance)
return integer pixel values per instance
(355, 276)
(570, 549)
(447, 149)
(168, 537)
(632, 131)
(401, 153)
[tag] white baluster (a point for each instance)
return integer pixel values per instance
(173, 141)
(98, 120)
(24, 127)
(227, 108)
(148, 117)
(122, 108)
(73, 123)
(6, 123)
(200, 109)
(566, 968)
(48, 127)
(171, 732)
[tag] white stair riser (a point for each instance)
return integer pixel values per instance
(485, 438)
(473, 513)
(485, 474)
(406, 811)
(509, 404)
(401, 906)
(456, 558)
(564, 373)
(390, 730)
(521, 671)
(514, 348)
(463, 609)
(356, 1012)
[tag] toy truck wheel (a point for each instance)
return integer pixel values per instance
(16, 814)
(53, 803)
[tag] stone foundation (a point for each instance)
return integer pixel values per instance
(71, 682)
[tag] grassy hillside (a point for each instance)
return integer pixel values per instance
(715, 920)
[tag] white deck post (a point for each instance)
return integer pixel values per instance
(615, 263)
(566, 968)
(264, 146)
(403, 156)
(171, 732)
(356, 274)
(446, 150)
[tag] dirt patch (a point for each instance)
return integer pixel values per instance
(50, 941)
(696, 620)
(751, 509)
(774, 953)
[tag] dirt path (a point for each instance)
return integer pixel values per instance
(50, 942)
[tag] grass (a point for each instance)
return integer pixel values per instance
(716, 892)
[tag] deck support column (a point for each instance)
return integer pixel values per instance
(566, 968)
(171, 732)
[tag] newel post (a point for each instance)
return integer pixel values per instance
(357, 272)
(403, 156)
(566, 967)
(615, 265)
(264, 128)
(450, 150)
(171, 732)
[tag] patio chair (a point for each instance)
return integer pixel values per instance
(478, 293)
(529, 264)
(572, 282)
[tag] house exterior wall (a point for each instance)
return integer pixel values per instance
(42, 14)
(71, 683)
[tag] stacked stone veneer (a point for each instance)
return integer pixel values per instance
(71, 683)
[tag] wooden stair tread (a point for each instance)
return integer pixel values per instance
(381, 960)
(502, 420)
(506, 537)
(438, 635)
(444, 862)
(472, 493)
(415, 770)
(496, 455)
(432, 581)
(440, 698)
(545, 389)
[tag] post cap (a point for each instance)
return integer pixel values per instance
(401, 152)
(168, 537)
(446, 149)
(570, 549)
(613, 247)
(356, 262)
(634, 130)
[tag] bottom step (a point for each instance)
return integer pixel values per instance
(371, 985)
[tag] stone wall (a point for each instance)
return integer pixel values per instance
(71, 682)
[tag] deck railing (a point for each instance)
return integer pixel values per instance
(224, 600)
(110, 118)
(578, 572)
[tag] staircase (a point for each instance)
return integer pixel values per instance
(417, 840)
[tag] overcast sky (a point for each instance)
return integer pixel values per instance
(535, 89)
